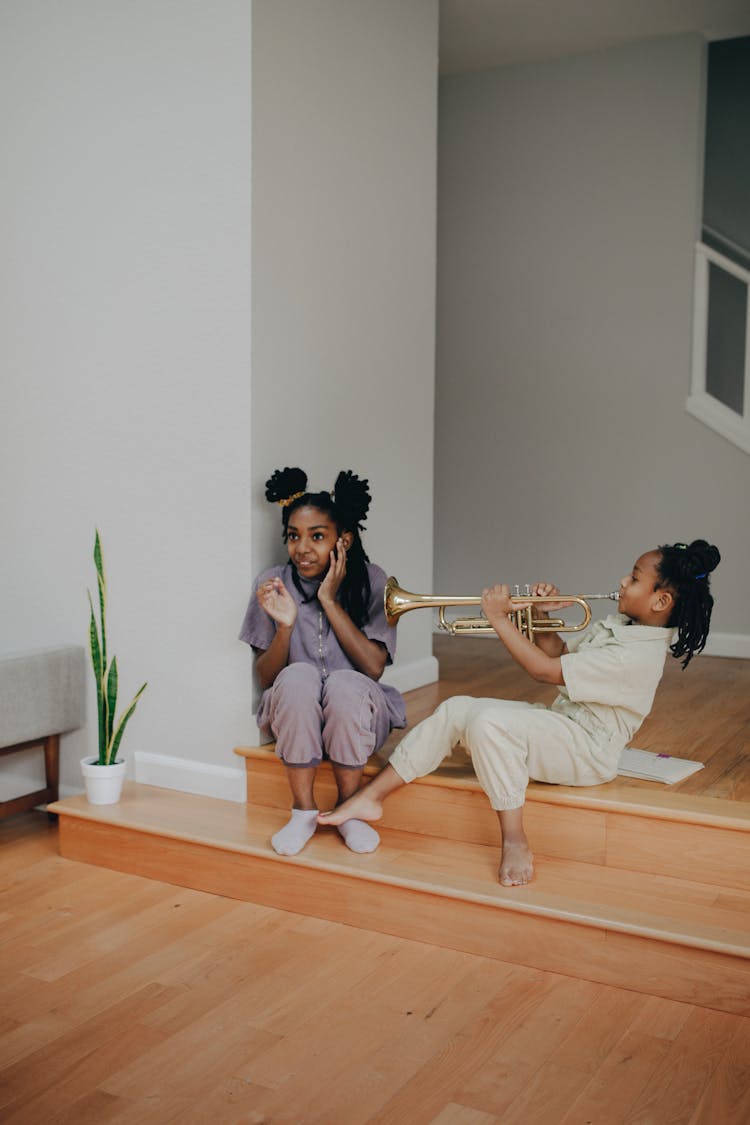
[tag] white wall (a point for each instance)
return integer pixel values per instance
(344, 202)
(125, 341)
(125, 352)
(569, 205)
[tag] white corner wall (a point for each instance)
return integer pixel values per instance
(569, 205)
(125, 355)
(344, 213)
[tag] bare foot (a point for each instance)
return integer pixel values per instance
(360, 806)
(516, 864)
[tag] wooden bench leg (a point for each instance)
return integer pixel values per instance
(51, 791)
(52, 769)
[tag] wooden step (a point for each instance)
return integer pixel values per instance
(686, 940)
(647, 829)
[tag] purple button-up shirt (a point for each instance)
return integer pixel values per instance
(313, 640)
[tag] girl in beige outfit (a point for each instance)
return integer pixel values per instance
(607, 681)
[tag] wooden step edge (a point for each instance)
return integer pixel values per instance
(520, 900)
(685, 808)
(610, 797)
(264, 753)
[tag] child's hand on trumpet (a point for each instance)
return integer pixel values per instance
(497, 601)
(547, 590)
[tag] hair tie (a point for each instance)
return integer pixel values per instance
(697, 576)
(289, 499)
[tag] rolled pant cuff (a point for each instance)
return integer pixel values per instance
(301, 765)
(402, 767)
(506, 804)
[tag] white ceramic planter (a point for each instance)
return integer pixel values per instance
(103, 783)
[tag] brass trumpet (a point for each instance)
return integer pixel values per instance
(397, 601)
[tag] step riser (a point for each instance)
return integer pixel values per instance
(703, 853)
(695, 976)
(453, 814)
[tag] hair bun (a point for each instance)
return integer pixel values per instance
(352, 497)
(284, 484)
(702, 557)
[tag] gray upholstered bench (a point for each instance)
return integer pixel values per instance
(42, 695)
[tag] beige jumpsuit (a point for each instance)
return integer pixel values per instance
(611, 674)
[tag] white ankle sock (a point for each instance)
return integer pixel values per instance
(359, 836)
(296, 832)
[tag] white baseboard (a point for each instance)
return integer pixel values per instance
(718, 644)
(21, 774)
(407, 677)
(728, 644)
(202, 778)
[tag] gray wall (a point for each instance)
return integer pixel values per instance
(569, 206)
(344, 202)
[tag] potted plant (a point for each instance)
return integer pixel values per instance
(104, 775)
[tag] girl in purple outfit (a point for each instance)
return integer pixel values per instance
(317, 626)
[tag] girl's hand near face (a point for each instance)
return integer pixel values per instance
(278, 603)
(335, 574)
(368, 657)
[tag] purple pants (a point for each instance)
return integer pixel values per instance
(344, 717)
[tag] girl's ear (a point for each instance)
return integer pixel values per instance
(663, 601)
(347, 539)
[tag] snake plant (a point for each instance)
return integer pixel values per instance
(105, 675)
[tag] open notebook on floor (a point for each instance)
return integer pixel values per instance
(655, 767)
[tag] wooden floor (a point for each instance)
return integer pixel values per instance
(124, 999)
(132, 999)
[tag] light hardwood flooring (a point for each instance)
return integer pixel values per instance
(124, 999)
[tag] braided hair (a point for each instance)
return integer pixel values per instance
(684, 569)
(347, 507)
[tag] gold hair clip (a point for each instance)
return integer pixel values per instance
(290, 499)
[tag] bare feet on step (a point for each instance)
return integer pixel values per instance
(516, 863)
(358, 807)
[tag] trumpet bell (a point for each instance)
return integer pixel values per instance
(397, 601)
